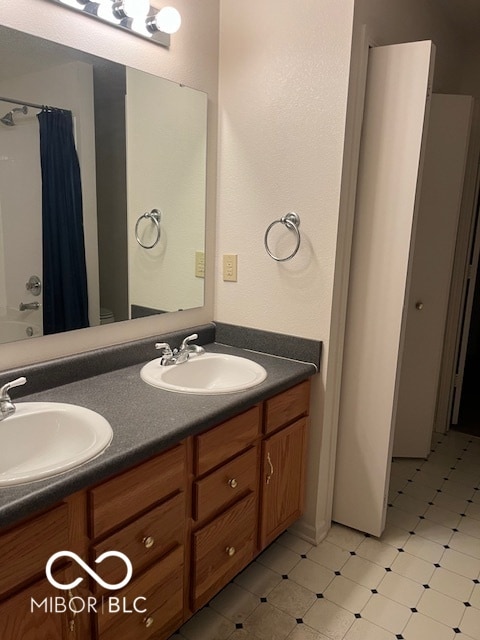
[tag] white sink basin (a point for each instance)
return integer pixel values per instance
(42, 439)
(209, 373)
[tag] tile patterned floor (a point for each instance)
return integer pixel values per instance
(419, 581)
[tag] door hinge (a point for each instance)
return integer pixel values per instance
(470, 272)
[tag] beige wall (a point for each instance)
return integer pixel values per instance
(191, 60)
(282, 102)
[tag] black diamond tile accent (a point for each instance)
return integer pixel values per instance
(303, 555)
(373, 590)
(445, 546)
(390, 504)
(456, 530)
(467, 604)
(457, 630)
(299, 620)
(319, 596)
(439, 491)
(471, 501)
(445, 478)
(387, 569)
(353, 553)
(417, 469)
(357, 615)
(401, 550)
(413, 610)
(426, 586)
(409, 480)
(399, 636)
(400, 492)
(476, 581)
(463, 515)
(452, 468)
(367, 535)
(284, 576)
(458, 458)
(476, 489)
(238, 625)
(422, 517)
(412, 533)
(263, 599)
(337, 573)
(436, 565)
(430, 503)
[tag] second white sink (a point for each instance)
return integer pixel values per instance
(43, 439)
(210, 373)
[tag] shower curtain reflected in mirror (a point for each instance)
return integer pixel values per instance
(65, 299)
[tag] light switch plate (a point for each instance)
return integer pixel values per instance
(230, 267)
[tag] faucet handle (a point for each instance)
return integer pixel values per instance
(167, 351)
(188, 339)
(10, 385)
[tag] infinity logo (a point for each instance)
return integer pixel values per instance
(95, 576)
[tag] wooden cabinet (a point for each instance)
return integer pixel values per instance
(188, 520)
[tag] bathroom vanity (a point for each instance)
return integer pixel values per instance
(209, 496)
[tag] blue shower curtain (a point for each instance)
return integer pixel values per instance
(65, 300)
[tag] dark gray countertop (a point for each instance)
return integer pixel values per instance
(145, 421)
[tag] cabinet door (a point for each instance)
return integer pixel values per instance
(283, 483)
(21, 618)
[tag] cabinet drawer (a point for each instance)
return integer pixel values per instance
(24, 550)
(162, 588)
(144, 540)
(223, 442)
(223, 486)
(287, 406)
(134, 491)
(222, 549)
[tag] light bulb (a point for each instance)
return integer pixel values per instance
(167, 20)
(136, 8)
(105, 11)
(75, 4)
(139, 26)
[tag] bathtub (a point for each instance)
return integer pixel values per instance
(12, 330)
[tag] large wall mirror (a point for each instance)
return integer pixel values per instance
(141, 147)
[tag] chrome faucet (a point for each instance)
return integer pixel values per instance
(7, 408)
(24, 306)
(177, 356)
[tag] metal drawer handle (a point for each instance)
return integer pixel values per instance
(231, 551)
(269, 475)
(148, 542)
(148, 621)
(233, 483)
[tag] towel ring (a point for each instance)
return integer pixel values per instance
(291, 221)
(155, 216)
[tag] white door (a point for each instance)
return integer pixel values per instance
(430, 275)
(396, 114)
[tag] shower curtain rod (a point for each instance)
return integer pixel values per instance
(27, 104)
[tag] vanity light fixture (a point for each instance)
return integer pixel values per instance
(136, 16)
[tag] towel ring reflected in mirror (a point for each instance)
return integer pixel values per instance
(155, 216)
(292, 221)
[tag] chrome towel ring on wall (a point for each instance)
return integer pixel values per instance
(291, 221)
(154, 215)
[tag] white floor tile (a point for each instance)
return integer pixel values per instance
(465, 544)
(434, 532)
(377, 552)
(421, 627)
(293, 543)
(279, 559)
(329, 555)
(347, 594)
(420, 491)
(414, 568)
(344, 537)
(292, 598)
(470, 623)
(258, 579)
(364, 630)
(235, 603)
(422, 548)
(207, 625)
(452, 503)
(302, 632)
(329, 619)
(440, 607)
(442, 516)
(363, 572)
(401, 589)
(475, 597)
(457, 489)
(402, 519)
(460, 563)
(386, 613)
(394, 536)
(410, 504)
(451, 584)
(269, 623)
(473, 511)
(470, 526)
(311, 575)
(468, 479)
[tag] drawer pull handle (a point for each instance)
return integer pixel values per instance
(148, 542)
(231, 551)
(233, 483)
(269, 475)
(148, 621)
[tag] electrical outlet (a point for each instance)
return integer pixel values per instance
(199, 264)
(230, 267)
